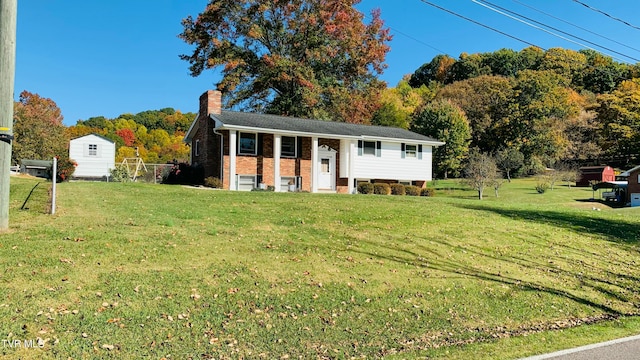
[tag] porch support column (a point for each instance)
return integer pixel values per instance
(233, 179)
(277, 141)
(351, 148)
(314, 164)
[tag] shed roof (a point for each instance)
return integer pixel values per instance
(94, 134)
(274, 123)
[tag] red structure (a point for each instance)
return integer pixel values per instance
(595, 173)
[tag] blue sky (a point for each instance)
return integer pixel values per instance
(121, 56)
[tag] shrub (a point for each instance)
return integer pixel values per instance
(119, 174)
(65, 168)
(365, 188)
(541, 187)
(397, 189)
(213, 182)
(381, 189)
(428, 192)
(184, 174)
(412, 190)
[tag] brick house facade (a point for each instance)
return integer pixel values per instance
(245, 150)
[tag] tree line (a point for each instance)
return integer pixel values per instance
(154, 135)
(555, 106)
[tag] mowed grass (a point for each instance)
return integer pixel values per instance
(134, 270)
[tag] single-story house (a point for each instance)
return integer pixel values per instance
(589, 174)
(245, 150)
(633, 187)
(94, 154)
(37, 168)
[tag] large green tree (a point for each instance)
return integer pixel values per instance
(485, 101)
(619, 116)
(38, 129)
(445, 121)
(309, 58)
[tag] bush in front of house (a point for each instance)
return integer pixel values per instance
(365, 188)
(381, 189)
(213, 182)
(184, 174)
(428, 192)
(411, 190)
(397, 189)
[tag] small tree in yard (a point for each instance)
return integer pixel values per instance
(481, 171)
(508, 160)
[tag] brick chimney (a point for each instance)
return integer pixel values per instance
(211, 102)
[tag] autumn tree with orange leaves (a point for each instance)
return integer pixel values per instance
(304, 58)
(38, 129)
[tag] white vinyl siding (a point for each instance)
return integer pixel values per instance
(94, 154)
(391, 164)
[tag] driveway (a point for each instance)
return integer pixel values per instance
(620, 349)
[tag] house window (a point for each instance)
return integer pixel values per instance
(93, 150)
(288, 146)
(369, 148)
(247, 144)
(246, 182)
(411, 151)
(196, 149)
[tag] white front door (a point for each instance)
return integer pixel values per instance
(326, 170)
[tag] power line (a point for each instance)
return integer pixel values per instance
(605, 14)
(413, 38)
(574, 25)
(521, 40)
(496, 7)
(481, 24)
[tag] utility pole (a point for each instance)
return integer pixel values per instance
(8, 19)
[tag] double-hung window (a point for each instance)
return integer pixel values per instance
(93, 150)
(247, 144)
(369, 148)
(411, 151)
(288, 146)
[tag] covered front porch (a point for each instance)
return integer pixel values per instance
(316, 164)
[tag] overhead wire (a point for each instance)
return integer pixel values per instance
(606, 14)
(495, 8)
(481, 24)
(576, 26)
(618, 76)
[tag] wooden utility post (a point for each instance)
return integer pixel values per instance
(8, 19)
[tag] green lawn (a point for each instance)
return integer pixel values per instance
(132, 270)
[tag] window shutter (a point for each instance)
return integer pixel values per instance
(238, 143)
(260, 144)
(299, 147)
(360, 144)
(402, 150)
(378, 148)
(419, 152)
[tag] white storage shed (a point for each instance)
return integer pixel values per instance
(95, 155)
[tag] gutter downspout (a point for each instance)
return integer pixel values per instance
(221, 154)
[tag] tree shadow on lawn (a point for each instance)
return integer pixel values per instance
(613, 230)
(437, 261)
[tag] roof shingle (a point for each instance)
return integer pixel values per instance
(283, 123)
